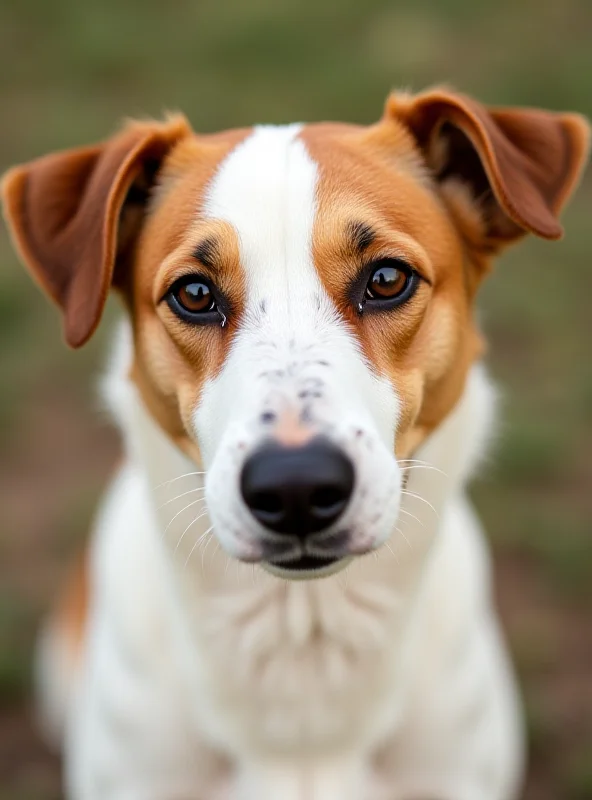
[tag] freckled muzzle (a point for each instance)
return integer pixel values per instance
(297, 491)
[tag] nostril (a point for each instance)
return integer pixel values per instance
(266, 503)
(328, 499)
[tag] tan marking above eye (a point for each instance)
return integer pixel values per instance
(387, 281)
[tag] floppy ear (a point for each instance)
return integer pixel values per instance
(519, 164)
(67, 218)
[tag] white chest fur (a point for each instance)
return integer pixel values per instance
(263, 670)
(296, 660)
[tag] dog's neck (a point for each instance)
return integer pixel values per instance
(441, 467)
(309, 634)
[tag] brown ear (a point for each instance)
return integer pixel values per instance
(64, 213)
(520, 164)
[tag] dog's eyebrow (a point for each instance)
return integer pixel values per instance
(360, 236)
(207, 252)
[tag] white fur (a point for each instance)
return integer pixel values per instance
(207, 679)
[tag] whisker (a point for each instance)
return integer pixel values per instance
(216, 547)
(404, 537)
(409, 514)
(195, 544)
(201, 538)
(392, 552)
(193, 521)
(423, 466)
(199, 500)
(419, 497)
(178, 497)
(203, 552)
(178, 478)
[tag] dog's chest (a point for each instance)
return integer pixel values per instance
(298, 665)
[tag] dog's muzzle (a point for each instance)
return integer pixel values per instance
(298, 493)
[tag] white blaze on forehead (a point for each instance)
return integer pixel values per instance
(266, 189)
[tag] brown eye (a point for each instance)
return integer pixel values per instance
(195, 297)
(388, 281)
(390, 284)
(193, 300)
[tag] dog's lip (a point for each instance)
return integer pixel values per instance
(305, 562)
(306, 566)
(323, 555)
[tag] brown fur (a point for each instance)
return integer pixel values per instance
(172, 361)
(64, 209)
(426, 346)
(71, 609)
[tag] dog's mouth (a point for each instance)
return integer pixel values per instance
(306, 566)
(307, 562)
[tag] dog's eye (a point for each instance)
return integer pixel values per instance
(192, 299)
(391, 280)
(195, 297)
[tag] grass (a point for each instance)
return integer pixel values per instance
(16, 623)
(579, 774)
(72, 69)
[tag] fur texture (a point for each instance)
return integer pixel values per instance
(188, 662)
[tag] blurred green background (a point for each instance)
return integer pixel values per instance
(69, 70)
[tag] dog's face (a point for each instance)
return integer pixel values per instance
(313, 292)
(301, 296)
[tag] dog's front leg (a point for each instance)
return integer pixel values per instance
(310, 779)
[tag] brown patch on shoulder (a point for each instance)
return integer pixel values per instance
(71, 610)
(376, 200)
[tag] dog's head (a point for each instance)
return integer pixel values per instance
(301, 296)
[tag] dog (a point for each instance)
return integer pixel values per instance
(287, 594)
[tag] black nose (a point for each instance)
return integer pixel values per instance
(297, 490)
